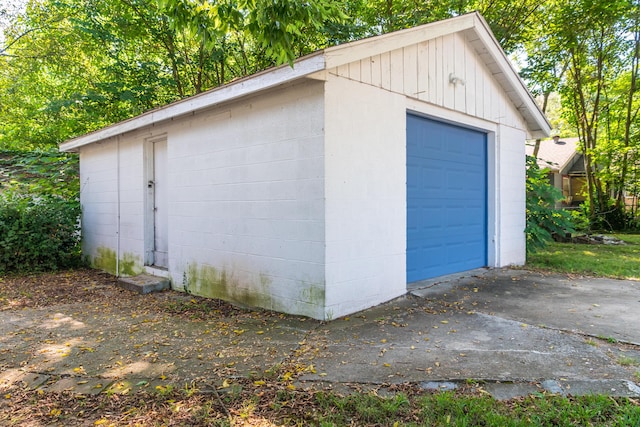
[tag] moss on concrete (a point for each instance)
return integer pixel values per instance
(211, 282)
(129, 265)
(105, 260)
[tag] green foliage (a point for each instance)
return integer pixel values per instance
(38, 233)
(40, 172)
(543, 219)
(39, 211)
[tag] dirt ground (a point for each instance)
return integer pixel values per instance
(87, 352)
(78, 286)
(149, 404)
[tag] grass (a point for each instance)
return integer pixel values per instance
(616, 261)
(270, 406)
(628, 361)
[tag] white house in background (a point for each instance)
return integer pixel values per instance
(323, 188)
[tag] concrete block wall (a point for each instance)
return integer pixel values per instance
(113, 223)
(512, 196)
(99, 196)
(365, 196)
(246, 201)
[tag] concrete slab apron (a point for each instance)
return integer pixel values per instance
(432, 340)
(597, 307)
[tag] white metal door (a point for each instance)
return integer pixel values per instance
(160, 217)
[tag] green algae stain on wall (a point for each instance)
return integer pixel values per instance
(312, 293)
(105, 260)
(211, 282)
(129, 265)
(223, 283)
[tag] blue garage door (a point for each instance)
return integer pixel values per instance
(446, 199)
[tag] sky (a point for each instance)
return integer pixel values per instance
(9, 9)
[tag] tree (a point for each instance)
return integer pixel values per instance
(596, 46)
(72, 66)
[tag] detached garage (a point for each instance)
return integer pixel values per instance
(324, 188)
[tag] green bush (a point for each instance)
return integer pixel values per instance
(543, 219)
(38, 233)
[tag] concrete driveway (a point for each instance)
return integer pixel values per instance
(511, 332)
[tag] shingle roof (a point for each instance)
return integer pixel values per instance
(555, 156)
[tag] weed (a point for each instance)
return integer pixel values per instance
(610, 340)
(164, 391)
(628, 361)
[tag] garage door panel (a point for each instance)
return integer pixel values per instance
(446, 199)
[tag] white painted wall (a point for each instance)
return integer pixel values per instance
(365, 192)
(247, 201)
(295, 199)
(104, 168)
(98, 192)
(512, 196)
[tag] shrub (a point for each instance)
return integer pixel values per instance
(38, 233)
(543, 219)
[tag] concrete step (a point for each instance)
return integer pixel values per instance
(144, 283)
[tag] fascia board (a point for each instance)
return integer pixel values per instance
(246, 86)
(361, 49)
(528, 107)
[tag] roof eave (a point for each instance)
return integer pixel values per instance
(242, 87)
(539, 126)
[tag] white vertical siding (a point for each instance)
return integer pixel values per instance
(423, 70)
(365, 155)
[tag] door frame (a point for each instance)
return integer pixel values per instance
(479, 124)
(149, 198)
